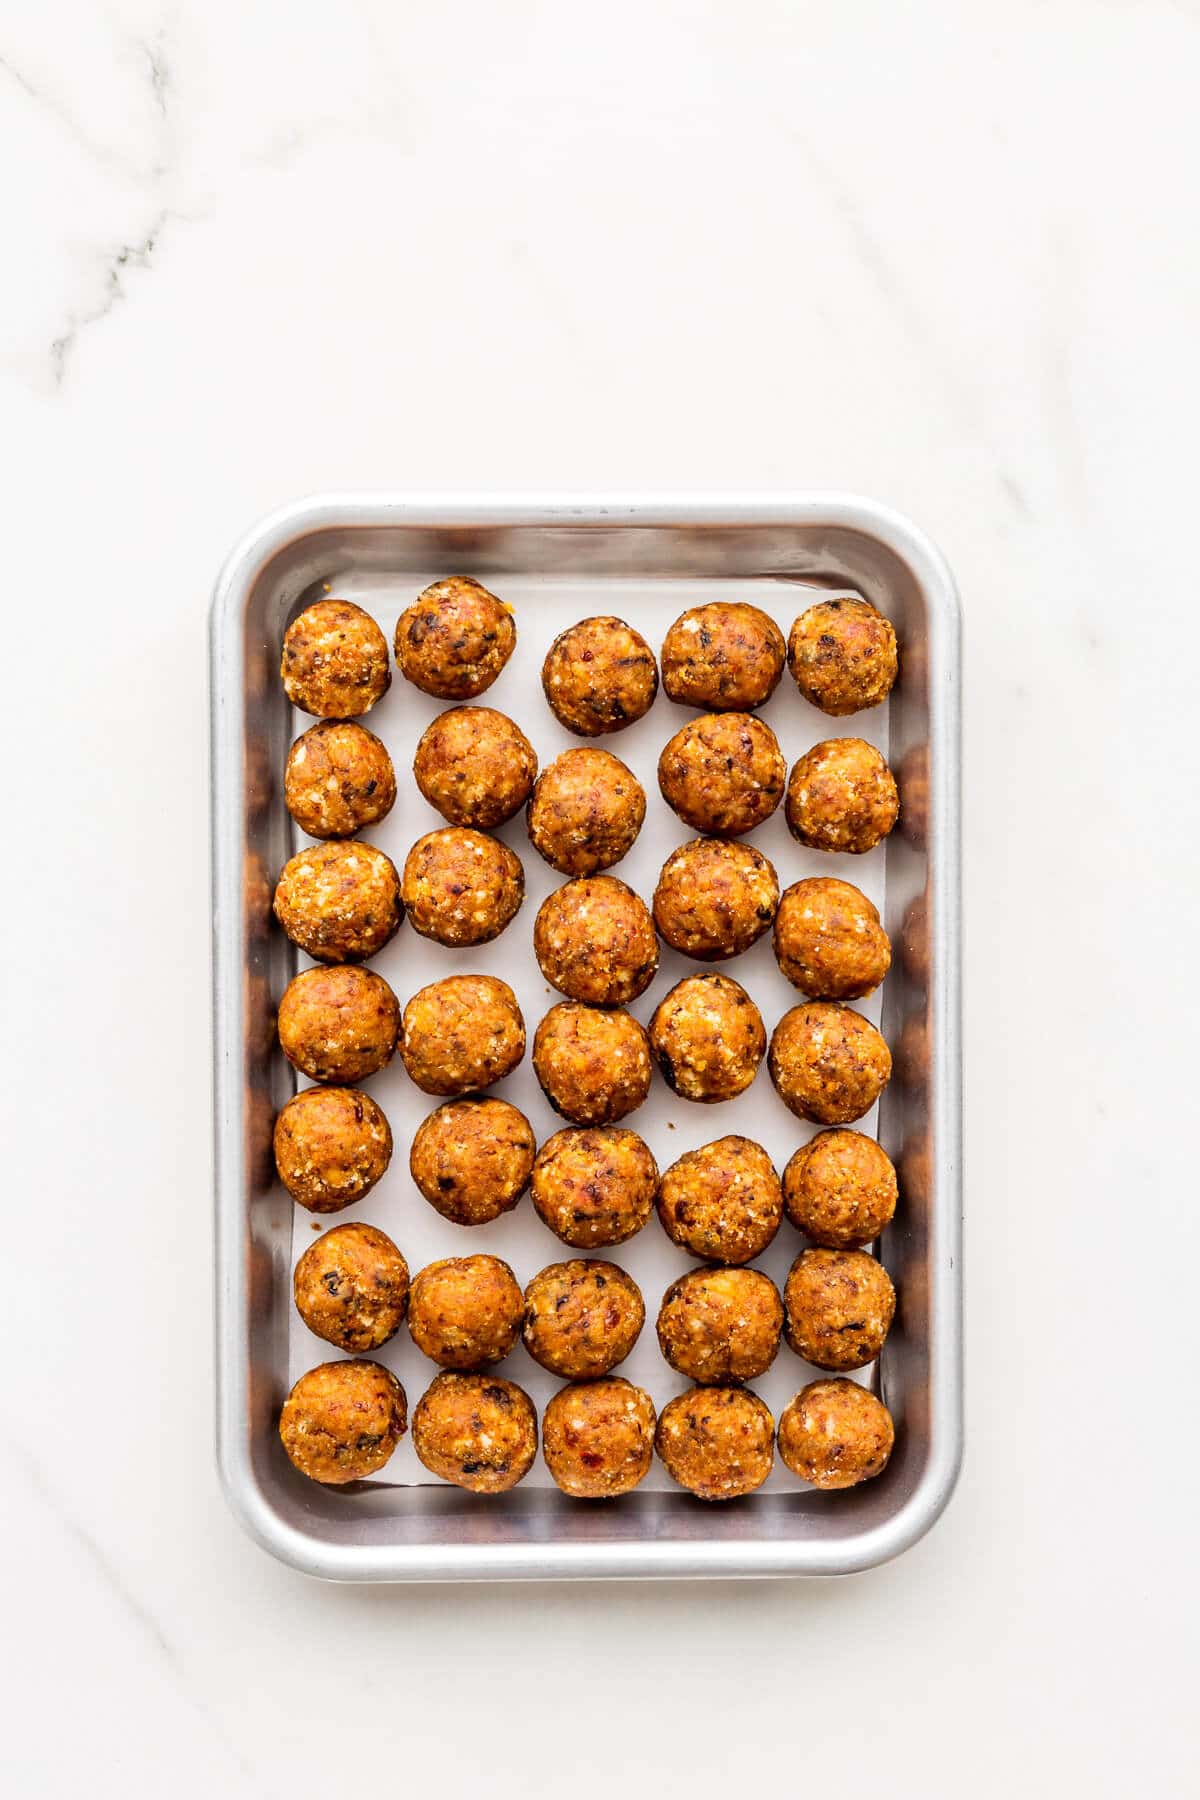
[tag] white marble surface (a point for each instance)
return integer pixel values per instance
(945, 256)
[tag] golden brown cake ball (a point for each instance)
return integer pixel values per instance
(836, 1434)
(461, 887)
(454, 639)
(828, 1063)
(585, 812)
(462, 1033)
(722, 1202)
(720, 1326)
(340, 902)
(828, 940)
(351, 1287)
(598, 676)
(475, 766)
(593, 1066)
(332, 1144)
(594, 1186)
(842, 654)
(714, 899)
(582, 1318)
(335, 661)
(708, 1038)
(718, 1442)
(466, 1311)
(839, 1189)
(841, 796)
(594, 941)
(338, 1024)
(598, 1438)
(478, 1431)
(338, 779)
(724, 657)
(839, 1306)
(342, 1421)
(472, 1159)
(723, 774)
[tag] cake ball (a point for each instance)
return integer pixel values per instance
(594, 941)
(585, 812)
(335, 661)
(717, 1442)
(720, 1326)
(466, 1311)
(462, 1033)
(475, 766)
(836, 1434)
(594, 1185)
(828, 1063)
(708, 1038)
(839, 1306)
(340, 902)
(722, 1202)
(598, 1438)
(841, 796)
(338, 780)
(842, 654)
(582, 1318)
(592, 1066)
(342, 1421)
(454, 639)
(351, 1288)
(332, 1144)
(598, 676)
(723, 774)
(828, 940)
(714, 899)
(477, 1431)
(840, 1189)
(724, 657)
(460, 887)
(338, 1024)
(472, 1159)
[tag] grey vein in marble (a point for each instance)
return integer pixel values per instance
(117, 261)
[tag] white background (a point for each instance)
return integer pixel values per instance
(943, 255)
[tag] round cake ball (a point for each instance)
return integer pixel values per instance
(454, 639)
(332, 1145)
(841, 796)
(708, 1038)
(828, 940)
(478, 1431)
(472, 1159)
(351, 1288)
(725, 657)
(598, 676)
(836, 1434)
(839, 1306)
(828, 1063)
(598, 1438)
(594, 941)
(592, 1066)
(342, 1421)
(466, 1311)
(338, 1024)
(585, 812)
(720, 1326)
(582, 1318)
(717, 1442)
(335, 661)
(475, 766)
(722, 1202)
(338, 779)
(714, 899)
(839, 1189)
(460, 887)
(462, 1033)
(723, 774)
(842, 654)
(340, 902)
(594, 1186)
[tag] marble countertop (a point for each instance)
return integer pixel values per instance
(945, 257)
